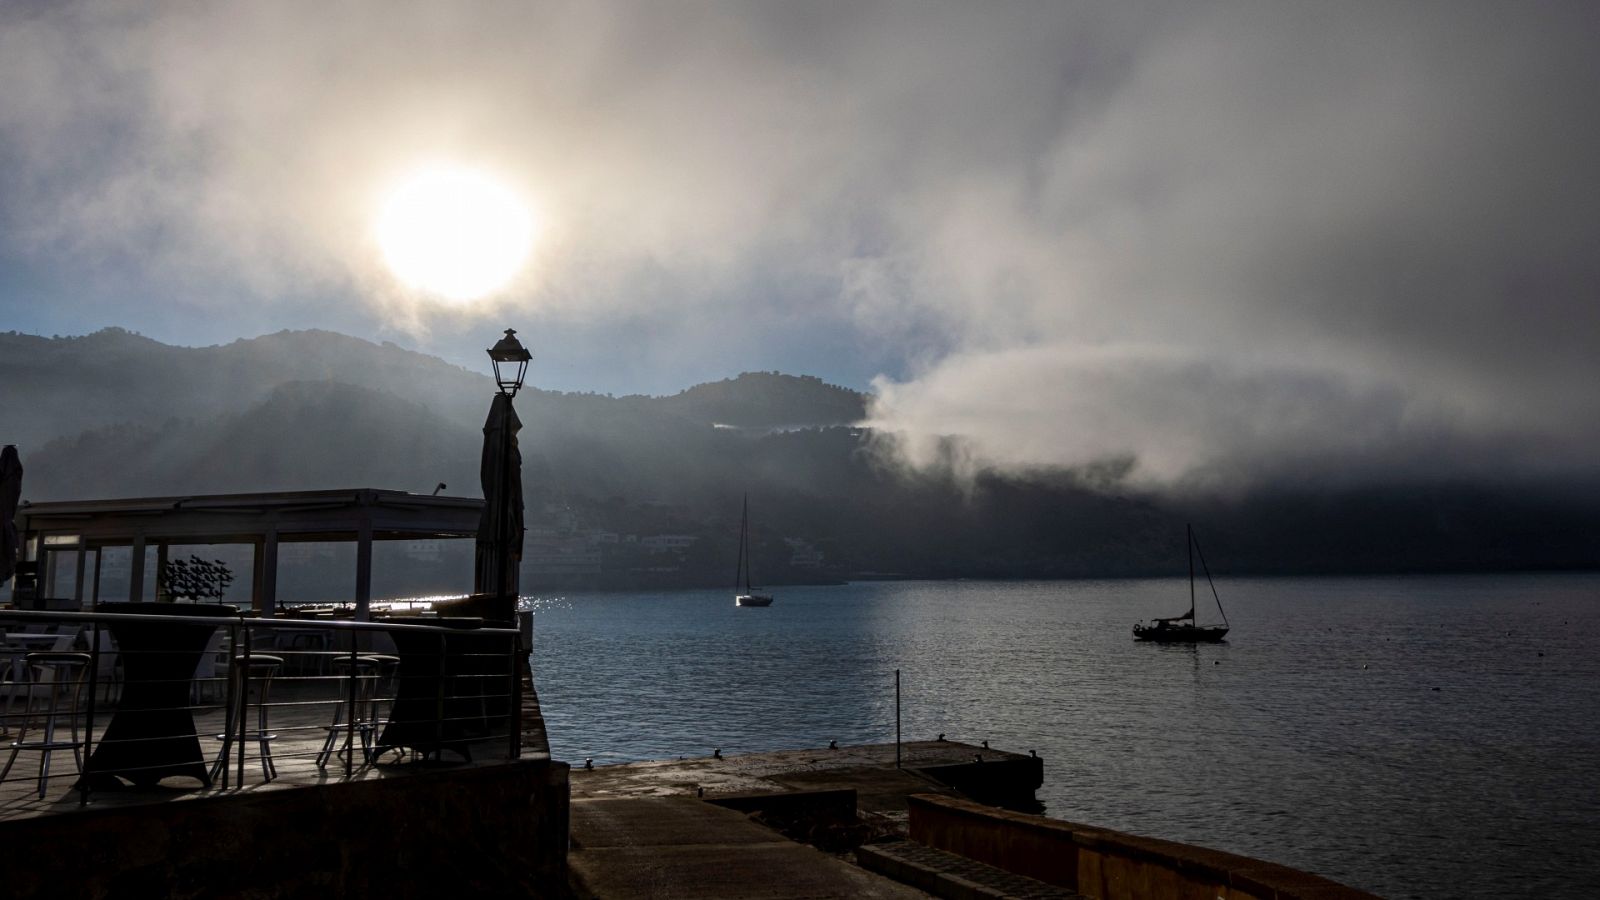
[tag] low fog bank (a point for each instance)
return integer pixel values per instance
(1177, 423)
(830, 499)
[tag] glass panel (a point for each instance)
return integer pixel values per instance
(422, 567)
(236, 560)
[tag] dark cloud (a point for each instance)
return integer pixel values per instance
(1232, 241)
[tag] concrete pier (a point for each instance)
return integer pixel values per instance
(938, 767)
(675, 846)
(694, 827)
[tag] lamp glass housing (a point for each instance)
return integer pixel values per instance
(510, 360)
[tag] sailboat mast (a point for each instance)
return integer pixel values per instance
(1207, 569)
(1188, 535)
(742, 573)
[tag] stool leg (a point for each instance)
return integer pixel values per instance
(230, 714)
(333, 732)
(269, 770)
(22, 731)
(327, 745)
(72, 717)
(49, 738)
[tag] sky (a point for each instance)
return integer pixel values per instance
(1223, 243)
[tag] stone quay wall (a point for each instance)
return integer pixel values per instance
(474, 831)
(1105, 864)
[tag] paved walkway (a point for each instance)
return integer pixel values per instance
(681, 847)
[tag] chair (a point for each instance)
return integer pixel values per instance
(205, 671)
(108, 672)
(257, 671)
(61, 676)
(13, 682)
(383, 688)
(308, 647)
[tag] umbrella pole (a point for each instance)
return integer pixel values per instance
(503, 527)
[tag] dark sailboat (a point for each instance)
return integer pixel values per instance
(1185, 629)
(741, 578)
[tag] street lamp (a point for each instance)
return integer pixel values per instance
(500, 526)
(504, 353)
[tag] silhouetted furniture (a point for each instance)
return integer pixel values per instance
(307, 647)
(217, 653)
(14, 671)
(253, 673)
(152, 734)
(355, 694)
(59, 677)
(383, 688)
(451, 688)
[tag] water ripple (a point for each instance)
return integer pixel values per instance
(1416, 737)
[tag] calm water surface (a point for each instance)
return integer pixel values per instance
(1415, 737)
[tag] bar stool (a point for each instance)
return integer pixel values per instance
(257, 670)
(62, 675)
(362, 686)
(384, 688)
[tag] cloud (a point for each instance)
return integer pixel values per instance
(1289, 245)
(1229, 241)
(1166, 418)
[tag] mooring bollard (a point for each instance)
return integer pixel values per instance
(897, 718)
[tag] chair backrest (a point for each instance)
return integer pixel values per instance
(214, 655)
(108, 653)
(65, 639)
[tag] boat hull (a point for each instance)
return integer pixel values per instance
(1180, 634)
(752, 600)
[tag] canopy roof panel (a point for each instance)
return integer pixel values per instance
(249, 518)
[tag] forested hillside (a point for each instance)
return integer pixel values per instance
(115, 414)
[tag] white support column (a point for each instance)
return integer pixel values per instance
(364, 570)
(81, 570)
(136, 570)
(94, 598)
(161, 563)
(267, 600)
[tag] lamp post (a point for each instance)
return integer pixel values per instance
(500, 529)
(510, 360)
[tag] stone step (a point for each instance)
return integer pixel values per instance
(954, 877)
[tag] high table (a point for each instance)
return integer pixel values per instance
(151, 736)
(450, 690)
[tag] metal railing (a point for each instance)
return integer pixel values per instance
(132, 696)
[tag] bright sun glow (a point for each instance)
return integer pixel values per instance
(454, 232)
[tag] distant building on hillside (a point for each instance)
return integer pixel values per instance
(423, 551)
(304, 554)
(559, 556)
(802, 555)
(668, 543)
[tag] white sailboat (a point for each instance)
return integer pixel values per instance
(1186, 629)
(746, 596)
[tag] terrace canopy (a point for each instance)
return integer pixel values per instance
(54, 533)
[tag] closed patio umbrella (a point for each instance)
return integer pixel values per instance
(499, 550)
(10, 493)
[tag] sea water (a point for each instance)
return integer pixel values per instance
(1411, 736)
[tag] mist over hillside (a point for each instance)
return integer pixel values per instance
(115, 414)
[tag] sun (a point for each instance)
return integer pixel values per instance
(454, 232)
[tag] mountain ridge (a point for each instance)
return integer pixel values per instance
(115, 414)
